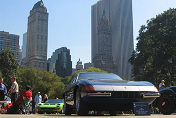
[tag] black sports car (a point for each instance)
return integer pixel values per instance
(105, 92)
(167, 101)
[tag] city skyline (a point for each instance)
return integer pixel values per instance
(73, 17)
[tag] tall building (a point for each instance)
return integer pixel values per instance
(79, 65)
(63, 64)
(103, 59)
(53, 59)
(120, 19)
(37, 37)
(24, 45)
(60, 62)
(10, 41)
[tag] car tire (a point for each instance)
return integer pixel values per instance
(67, 109)
(39, 112)
(165, 105)
(62, 111)
(81, 108)
(113, 113)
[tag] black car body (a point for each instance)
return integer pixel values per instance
(105, 92)
(167, 100)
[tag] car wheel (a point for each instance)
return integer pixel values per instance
(67, 109)
(81, 108)
(39, 112)
(62, 111)
(165, 105)
(113, 113)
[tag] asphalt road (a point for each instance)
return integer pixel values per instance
(75, 116)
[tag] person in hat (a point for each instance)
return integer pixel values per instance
(162, 85)
(37, 99)
(3, 90)
(14, 89)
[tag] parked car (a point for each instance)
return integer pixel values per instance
(105, 92)
(167, 101)
(6, 101)
(51, 106)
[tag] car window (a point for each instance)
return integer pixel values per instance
(55, 101)
(99, 76)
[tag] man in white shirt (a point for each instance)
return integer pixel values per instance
(14, 89)
(37, 99)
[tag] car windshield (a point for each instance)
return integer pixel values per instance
(55, 101)
(95, 76)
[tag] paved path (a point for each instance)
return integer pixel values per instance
(74, 116)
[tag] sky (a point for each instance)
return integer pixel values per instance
(69, 22)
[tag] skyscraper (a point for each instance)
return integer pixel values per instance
(10, 41)
(24, 45)
(60, 62)
(63, 64)
(37, 37)
(103, 59)
(120, 19)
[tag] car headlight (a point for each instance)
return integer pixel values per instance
(57, 105)
(39, 105)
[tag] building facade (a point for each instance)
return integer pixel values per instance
(10, 41)
(37, 37)
(63, 64)
(60, 62)
(119, 14)
(88, 65)
(103, 59)
(24, 45)
(79, 65)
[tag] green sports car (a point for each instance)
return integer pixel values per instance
(51, 106)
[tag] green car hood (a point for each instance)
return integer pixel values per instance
(49, 105)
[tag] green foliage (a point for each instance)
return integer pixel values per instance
(45, 82)
(8, 65)
(155, 55)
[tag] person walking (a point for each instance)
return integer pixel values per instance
(162, 85)
(37, 99)
(3, 90)
(14, 89)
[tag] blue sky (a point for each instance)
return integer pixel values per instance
(70, 21)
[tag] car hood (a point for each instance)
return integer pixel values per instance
(49, 104)
(118, 82)
(121, 85)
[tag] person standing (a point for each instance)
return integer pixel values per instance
(37, 99)
(45, 98)
(162, 85)
(14, 89)
(3, 90)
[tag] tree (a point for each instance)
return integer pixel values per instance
(45, 82)
(8, 65)
(155, 55)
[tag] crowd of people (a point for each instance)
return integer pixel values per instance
(22, 99)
